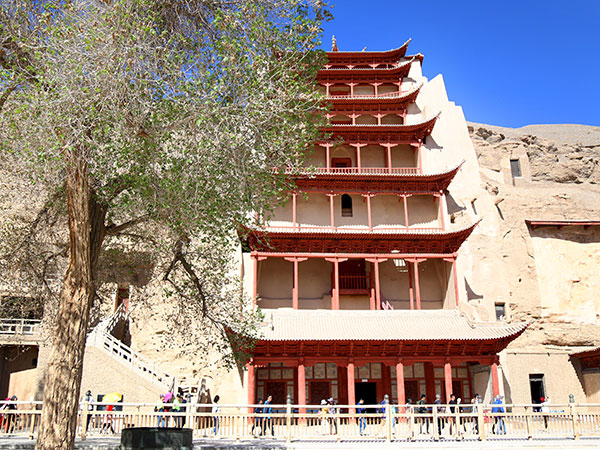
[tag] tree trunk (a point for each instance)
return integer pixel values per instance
(65, 364)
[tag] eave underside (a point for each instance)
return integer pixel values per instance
(381, 349)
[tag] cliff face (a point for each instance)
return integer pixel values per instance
(547, 276)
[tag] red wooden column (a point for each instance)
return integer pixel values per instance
(448, 379)
(357, 148)
(454, 278)
(388, 150)
(442, 210)
(335, 294)
(295, 287)
(331, 210)
(400, 383)
(327, 155)
(416, 262)
(369, 211)
(420, 157)
(301, 386)
(411, 289)
(495, 383)
(404, 202)
(255, 260)
(351, 391)
(251, 388)
(376, 262)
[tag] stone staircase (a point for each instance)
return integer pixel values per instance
(101, 337)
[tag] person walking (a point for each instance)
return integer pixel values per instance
(89, 399)
(177, 409)
(498, 427)
(452, 408)
(323, 414)
(439, 410)
(257, 424)
(268, 421)
(422, 409)
(332, 412)
(545, 409)
(383, 410)
(362, 422)
(215, 412)
(160, 407)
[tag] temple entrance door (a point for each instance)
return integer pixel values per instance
(457, 389)
(366, 391)
(277, 390)
(319, 390)
(411, 390)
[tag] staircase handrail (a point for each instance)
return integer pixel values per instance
(134, 359)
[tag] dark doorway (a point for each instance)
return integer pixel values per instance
(277, 390)
(411, 390)
(366, 391)
(353, 277)
(536, 386)
(341, 162)
(319, 390)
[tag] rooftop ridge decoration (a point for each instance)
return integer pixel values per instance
(396, 52)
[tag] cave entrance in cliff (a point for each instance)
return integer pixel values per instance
(536, 386)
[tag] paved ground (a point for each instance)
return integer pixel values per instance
(110, 443)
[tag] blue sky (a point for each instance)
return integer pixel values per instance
(509, 63)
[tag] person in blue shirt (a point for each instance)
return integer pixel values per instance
(268, 421)
(362, 421)
(498, 427)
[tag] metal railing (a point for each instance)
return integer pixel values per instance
(20, 327)
(317, 422)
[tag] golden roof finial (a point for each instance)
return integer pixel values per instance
(334, 47)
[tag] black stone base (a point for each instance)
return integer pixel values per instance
(153, 438)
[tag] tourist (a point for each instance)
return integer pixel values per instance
(323, 414)
(89, 399)
(383, 410)
(177, 409)
(332, 411)
(160, 407)
(268, 421)
(362, 421)
(545, 409)
(452, 409)
(257, 423)
(498, 426)
(439, 410)
(215, 411)
(422, 409)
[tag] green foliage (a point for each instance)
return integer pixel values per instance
(180, 110)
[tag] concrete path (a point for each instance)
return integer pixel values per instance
(110, 443)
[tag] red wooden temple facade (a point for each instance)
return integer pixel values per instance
(357, 274)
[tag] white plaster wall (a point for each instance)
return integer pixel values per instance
(372, 156)
(404, 156)
(387, 211)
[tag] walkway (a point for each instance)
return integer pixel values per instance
(112, 443)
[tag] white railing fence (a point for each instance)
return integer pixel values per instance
(20, 327)
(316, 422)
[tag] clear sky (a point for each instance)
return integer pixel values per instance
(508, 63)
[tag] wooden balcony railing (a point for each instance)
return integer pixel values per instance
(355, 171)
(353, 282)
(363, 229)
(341, 422)
(19, 327)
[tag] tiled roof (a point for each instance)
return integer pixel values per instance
(309, 325)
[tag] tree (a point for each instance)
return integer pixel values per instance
(156, 123)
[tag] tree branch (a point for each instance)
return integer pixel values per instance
(113, 229)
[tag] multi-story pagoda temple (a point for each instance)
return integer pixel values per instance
(357, 274)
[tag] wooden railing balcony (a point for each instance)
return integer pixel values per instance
(354, 171)
(351, 229)
(357, 283)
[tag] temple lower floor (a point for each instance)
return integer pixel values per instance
(369, 379)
